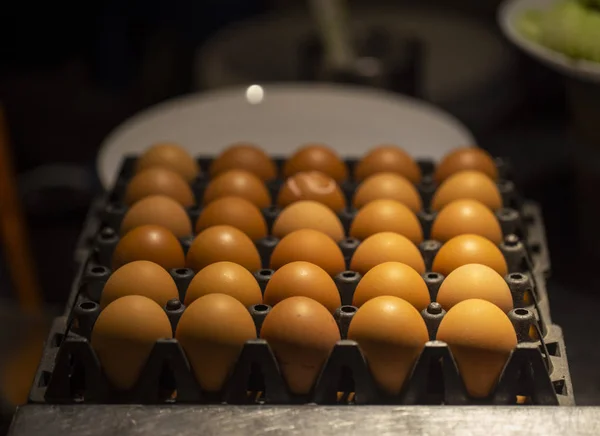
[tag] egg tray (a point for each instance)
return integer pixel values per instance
(70, 371)
(518, 217)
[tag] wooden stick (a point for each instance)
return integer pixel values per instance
(13, 232)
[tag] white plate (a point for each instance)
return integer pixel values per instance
(509, 14)
(349, 119)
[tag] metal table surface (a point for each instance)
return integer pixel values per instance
(125, 420)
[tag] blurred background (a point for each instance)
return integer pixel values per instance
(70, 73)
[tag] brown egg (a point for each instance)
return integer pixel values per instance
(244, 156)
(159, 181)
(388, 159)
(303, 279)
(308, 215)
(212, 331)
(466, 216)
(225, 278)
(238, 183)
(150, 242)
(386, 216)
(310, 246)
(481, 338)
(475, 281)
(394, 279)
(301, 333)
(313, 186)
(140, 277)
(316, 157)
(389, 186)
(386, 247)
(465, 249)
(235, 212)
(467, 184)
(172, 157)
(466, 158)
(391, 334)
(124, 335)
(159, 210)
(220, 243)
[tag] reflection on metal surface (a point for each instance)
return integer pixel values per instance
(255, 94)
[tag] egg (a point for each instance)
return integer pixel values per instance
(475, 281)
(388, 159)
(235, 212)
(386, 247)
(225, 278)
(310, 246)
(316, 157)
(394, 279)
(466, 216)
(140, 277)
(467, 184)
(301, 332)
(149, 242)
(244, 156)
(308, 215)
(386, 216)
(468, 248)
(238, 183)
(481, 337)
(159, 181)
(124, 335)
(222, 243)
(160, 210)
(212, 332)
(314, 186)
(170, 156)
(466, 158)
(391, 334)
(389, 186)
(303, 279)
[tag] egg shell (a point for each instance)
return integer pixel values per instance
(390, 186)
(235, 212)
(225, 278)
(170, 156)
(310, 246)
(212, 331)
(301, 332)
(394, 279)
(159, 181)
(316, 157)
(222, 243)
(149, 242)
(468, 248)
(308, 215)
(159, 210)
(140, 277)
(386, 247)
(386, 216)
(302, 279)
(466, 216)
(391, 334)
(244, 156)
(238, 183)
(467, 184)
(314, 186)
(124, 335)
(481, 337)
(388, 158)
(466, 158)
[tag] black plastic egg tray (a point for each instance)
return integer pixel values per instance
(536, 373)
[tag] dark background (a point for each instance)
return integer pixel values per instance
(69, 73)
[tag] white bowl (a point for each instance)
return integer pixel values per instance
(509, 14)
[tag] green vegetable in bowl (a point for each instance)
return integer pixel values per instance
(571, 28)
